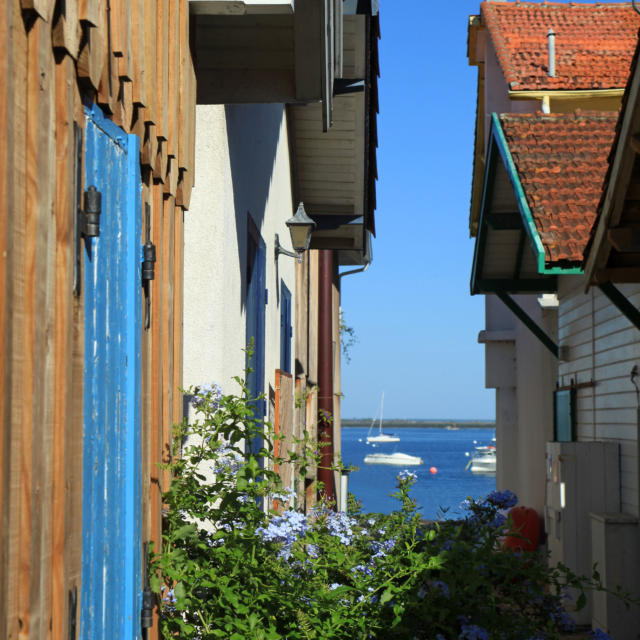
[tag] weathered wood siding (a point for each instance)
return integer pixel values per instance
(132, 58)
(603, 348)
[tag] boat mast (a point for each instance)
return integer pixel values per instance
(381, 407)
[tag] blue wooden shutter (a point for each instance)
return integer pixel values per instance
(111, 503)
(286, 330)
(255, 310)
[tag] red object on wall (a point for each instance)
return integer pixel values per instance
(526, 525)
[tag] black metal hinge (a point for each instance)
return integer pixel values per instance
(148, 597)
(73, 612)
(91, 214)
(148, 265)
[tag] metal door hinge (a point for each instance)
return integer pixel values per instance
(148, 597)
(73, 612)
(91, 215)
(148, 265)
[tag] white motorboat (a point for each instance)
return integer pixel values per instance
(397, 458)
(483, 460)
(381, 437)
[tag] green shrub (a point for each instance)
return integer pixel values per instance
(229, 570)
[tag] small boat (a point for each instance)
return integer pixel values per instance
(483, 460)
(452, 427)
(397, 458)
(381, 437)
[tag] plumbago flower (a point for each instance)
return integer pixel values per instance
(230, 568)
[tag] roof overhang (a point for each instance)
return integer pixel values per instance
(321, 59)
(335, 171)
(266, 51)
(240, 7)
(614, 251)
(509, 256)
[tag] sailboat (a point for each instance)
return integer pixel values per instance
(381, 437)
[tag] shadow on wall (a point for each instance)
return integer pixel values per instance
(253, 132)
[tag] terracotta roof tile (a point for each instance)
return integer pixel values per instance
(561, 161)
(594, 43)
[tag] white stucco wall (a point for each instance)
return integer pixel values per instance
(242, 168)
(496, 93)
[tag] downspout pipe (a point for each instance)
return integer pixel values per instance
(352, 271)
(325, 374)
(551, 47)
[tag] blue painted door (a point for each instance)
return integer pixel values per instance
(286, 330)
(255, 309)
(111, 503)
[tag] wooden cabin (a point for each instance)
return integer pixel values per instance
(97, 116)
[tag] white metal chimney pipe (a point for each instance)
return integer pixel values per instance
(551, 46)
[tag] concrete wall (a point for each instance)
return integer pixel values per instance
(496, 93)
(523, 373)
(243, 168)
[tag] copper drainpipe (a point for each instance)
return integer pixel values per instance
(325, 373)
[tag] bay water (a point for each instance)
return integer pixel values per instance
(438, 447)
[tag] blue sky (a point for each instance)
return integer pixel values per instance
(415, 322)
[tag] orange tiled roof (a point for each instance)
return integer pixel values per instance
(594, 43)
(561, 161)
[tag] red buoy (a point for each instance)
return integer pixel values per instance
(433, 470)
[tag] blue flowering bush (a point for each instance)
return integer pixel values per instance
(230, 568)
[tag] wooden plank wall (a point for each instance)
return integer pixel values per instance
(603, 347)
(131, 57)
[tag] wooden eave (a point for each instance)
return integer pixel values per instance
(335, 171)
(614, 251)
(252, 51)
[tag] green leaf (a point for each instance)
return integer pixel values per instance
(386, 596)
(179, 591)
(155, 583)
(184, 532)
(581, 602)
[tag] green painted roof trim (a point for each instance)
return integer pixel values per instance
(523, 205)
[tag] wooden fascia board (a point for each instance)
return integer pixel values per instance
(583, 94)
(475, 26)
(478, 156)
(481, 237)
(617, 187)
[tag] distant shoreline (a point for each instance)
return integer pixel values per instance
(416, 424)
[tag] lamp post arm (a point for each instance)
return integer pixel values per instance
(278, 249)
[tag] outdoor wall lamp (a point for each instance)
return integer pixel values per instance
(301, 227)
